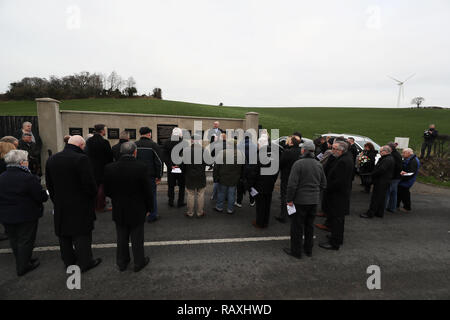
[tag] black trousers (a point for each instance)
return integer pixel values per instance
(124, 234)
(336, 220)
(378, 200)
(426, 146)
(240, 191)
(283, 203)
(263, 203)
(77, 250)
(174, 179)
(302, 223)
(404, 195)
(22, 237)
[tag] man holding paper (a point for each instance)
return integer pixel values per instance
(306, 180)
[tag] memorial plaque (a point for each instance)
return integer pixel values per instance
(76, 131)
(165, 132)
(91, 130)
(113, 134)
(132, 133)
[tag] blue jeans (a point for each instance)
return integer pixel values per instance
(391, 197)
(226, 192)
(215, 190)
(154, 211)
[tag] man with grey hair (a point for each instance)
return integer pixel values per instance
(306, 180)
(381, 177)
(27, 127)
(72, 186)
(410, 170)
(127, 184)
(21, 207)
(124, 137)
(338, 192)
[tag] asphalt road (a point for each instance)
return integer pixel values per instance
(413, 252)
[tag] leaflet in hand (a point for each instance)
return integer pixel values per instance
(408, 174)
(176, 170)
(253, 192)
(291, 210)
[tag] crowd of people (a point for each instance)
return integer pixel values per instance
(89, 176)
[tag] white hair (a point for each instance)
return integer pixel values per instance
(177, 132)
(15, 157)
(409, 151)
(263, 141)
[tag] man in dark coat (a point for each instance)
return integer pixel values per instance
(26, 144)
(410, 170)
(124, 137)
(195, 175)
(250, 150)
(429, 138)
(290, 156)
(339, 187)
(71, 183)
(149, 153)
(381, 176)
(263, 183)
(21, 207)
(127, 184)
(391, 196)
(100, 153)
(306, 180)
(175, 176)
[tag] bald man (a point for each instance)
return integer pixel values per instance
(71, 183)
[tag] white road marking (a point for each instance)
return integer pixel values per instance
(168, 243)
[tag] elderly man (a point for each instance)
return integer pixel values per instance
(410, 170)
(127, 184)
(71, 183)
(27, 144)
(10, 139)
(306, 180)
(27, 127)
(148, 151)
(124, 137)
(381, 176)
(21, 207)
(100, 153)
(339, 187)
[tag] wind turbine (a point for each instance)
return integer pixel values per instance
(401, 93)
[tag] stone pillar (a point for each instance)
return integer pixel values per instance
(252, 121)
(50, 128)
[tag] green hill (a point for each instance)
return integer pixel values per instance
(382, 125)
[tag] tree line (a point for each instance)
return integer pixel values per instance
(77, 86)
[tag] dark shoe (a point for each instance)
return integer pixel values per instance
(289, 253)
(323, 227)
(3, 237)
(365, 216)
(256, 225)
(153, 220)
(93, 265)
(308, 254)
(181, 205)
(171, 204)
(31, 267)
(328, 246)
(139, 268)
(378, 216)
(329, 238)
(124, 268)
(252, 203)
(389, 210)
(280, 220)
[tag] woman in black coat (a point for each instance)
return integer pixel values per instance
(21, 206)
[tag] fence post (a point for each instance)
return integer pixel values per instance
(50, 128)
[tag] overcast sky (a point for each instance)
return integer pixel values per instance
(239, 52)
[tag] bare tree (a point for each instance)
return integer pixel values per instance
(418, 101)
(114, 81)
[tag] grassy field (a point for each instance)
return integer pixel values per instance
(382, 125)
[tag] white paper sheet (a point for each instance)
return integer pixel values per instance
(291, 210)
(253, 192)
(176, 170)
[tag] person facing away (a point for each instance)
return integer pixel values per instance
(410, 170)
(429, 138)
(127, 184)
(124, 137)
(100, 153)
(366, 164)
(195, 179)
(291, 155)
(70, 180)
(306, 180)
(392, 193)
(338, 192)
(5, 147)
(381, 176)
(21, 207)
(149, 153)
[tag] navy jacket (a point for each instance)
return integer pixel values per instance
(21, 196)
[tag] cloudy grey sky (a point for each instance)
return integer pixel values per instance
(239, 52)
